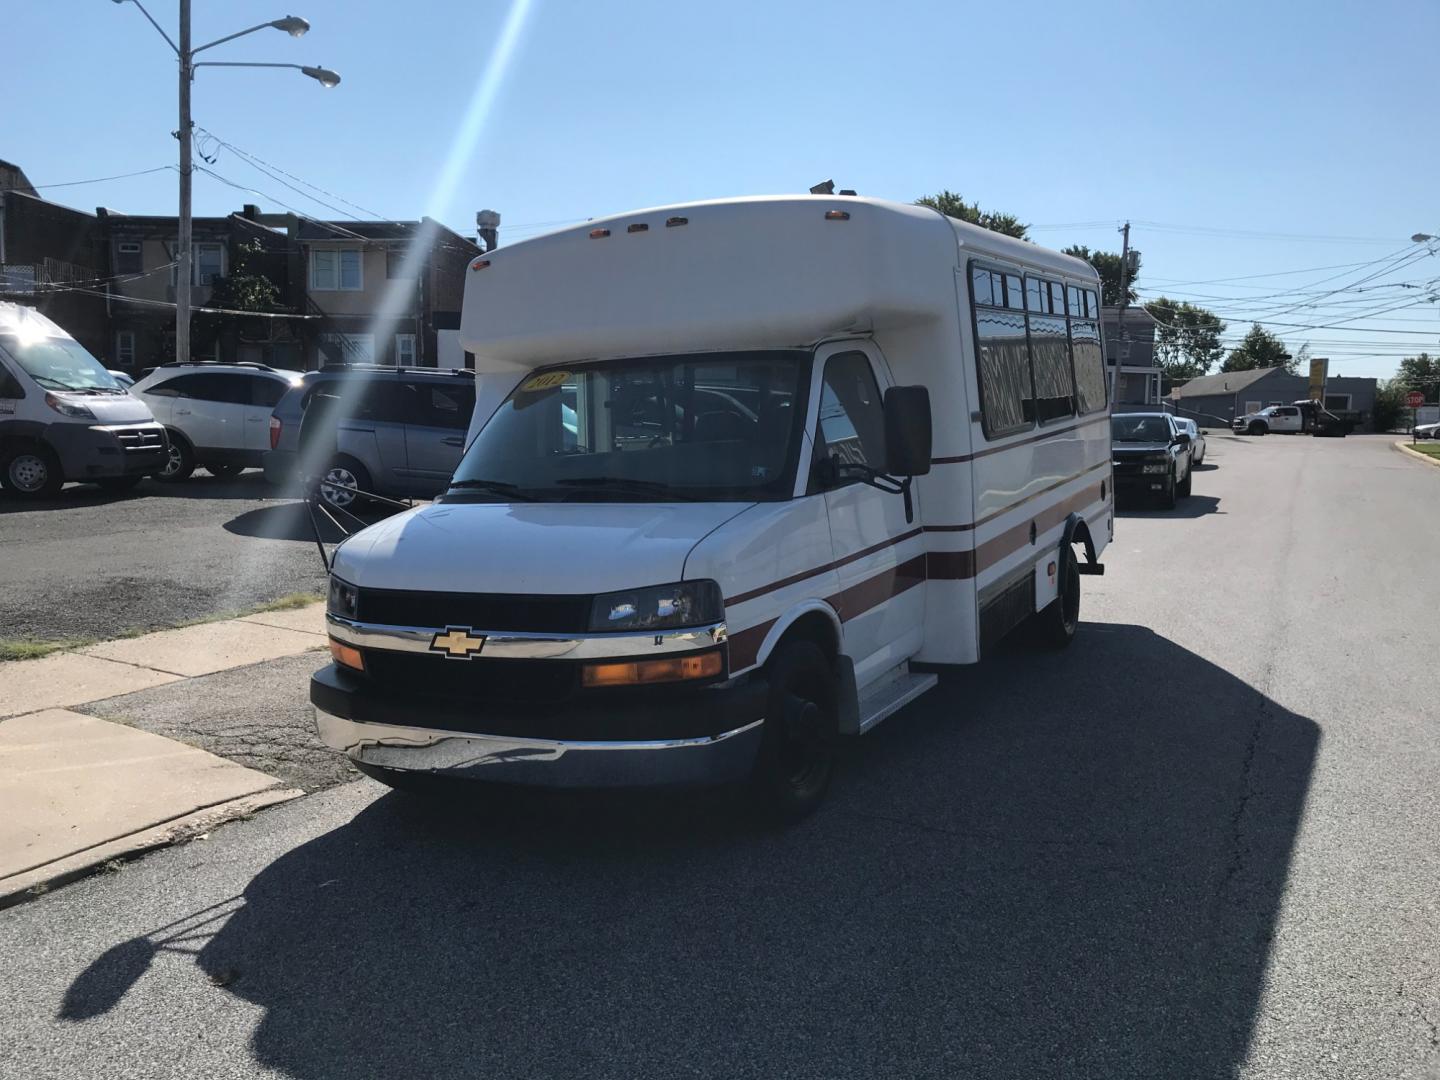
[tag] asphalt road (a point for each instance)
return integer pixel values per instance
(1199, 843)
(91, 564)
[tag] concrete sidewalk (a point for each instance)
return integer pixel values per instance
(77, 791)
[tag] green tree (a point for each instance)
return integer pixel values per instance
(1187, 339)
(1420, 373)
(1390, 412)
(1107, 265)
(1259, 349)
(246, 288)
(954, 205)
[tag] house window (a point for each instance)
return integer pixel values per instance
(128, 257)
(125, 348)
(347, 349)
(405, 350)
(209, 263)
(395, 263)
(336, 270)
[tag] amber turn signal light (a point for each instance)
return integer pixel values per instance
(346, 655)
(640, 672)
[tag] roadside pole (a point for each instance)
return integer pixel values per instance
(1120, 324)
(184, 274)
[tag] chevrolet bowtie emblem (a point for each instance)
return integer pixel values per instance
(458, 643)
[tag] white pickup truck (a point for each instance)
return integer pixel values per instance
(1274, 418)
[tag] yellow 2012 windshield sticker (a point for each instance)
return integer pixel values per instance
(546, 380)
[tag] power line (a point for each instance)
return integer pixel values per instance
(103, 179)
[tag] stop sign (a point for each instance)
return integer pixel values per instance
(1414, 399)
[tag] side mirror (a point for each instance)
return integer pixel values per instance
(907, 431)
(1182, 439)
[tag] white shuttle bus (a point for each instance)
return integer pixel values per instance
(744, 475)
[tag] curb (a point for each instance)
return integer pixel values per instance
(1404, 448)
(32, 884)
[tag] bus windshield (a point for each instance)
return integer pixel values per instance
(705, 427)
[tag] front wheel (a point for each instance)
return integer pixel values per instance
(1184, 489)
(1257, 428)
(33, 472)
(1055, 625)
(180, 462)
(797, 754)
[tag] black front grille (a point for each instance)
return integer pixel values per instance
(483, 611)
(495, 682)
(139, 439)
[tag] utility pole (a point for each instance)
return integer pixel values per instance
(1120, 325)
(185, 274)
(292, 25)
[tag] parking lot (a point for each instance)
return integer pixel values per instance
(1199, 843)
(96, 565)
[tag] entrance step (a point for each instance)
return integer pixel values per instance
(890, 695)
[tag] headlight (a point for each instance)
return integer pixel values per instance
(66, 408)
(344, 599)
(661, 607)
(1156, 467)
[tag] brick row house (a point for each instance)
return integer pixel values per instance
(321, 291)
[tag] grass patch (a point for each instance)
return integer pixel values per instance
(33, 649)
(29, 649)
(1430, 447)
(289, 603)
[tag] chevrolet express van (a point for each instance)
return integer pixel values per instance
(744, 476)
(63, 417)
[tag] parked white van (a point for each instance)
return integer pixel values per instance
(63, 416)
(684, 544)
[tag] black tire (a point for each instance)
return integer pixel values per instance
(1184, 489)
(345, 472)
(797, 754)
(1167, 497)
(32, 471)
(224, 472)
(181, 462)
(1257, 428)
(119, 484)
(1054, 626)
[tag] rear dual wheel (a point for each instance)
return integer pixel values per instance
(1055, 626)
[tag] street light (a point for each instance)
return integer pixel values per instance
(290, 24)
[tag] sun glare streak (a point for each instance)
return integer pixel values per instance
(400, 293)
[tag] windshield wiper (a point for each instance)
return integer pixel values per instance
(625, 483)
(499, 487)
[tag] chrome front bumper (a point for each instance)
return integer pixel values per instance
(545, 762)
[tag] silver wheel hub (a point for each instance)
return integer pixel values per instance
(172, 462)
(341, 478)
(28, 472)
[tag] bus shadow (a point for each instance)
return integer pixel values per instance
(1053, 865)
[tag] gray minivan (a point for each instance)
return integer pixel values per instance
(398, 432)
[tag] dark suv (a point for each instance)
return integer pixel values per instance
(398, 432)
(1150, 456)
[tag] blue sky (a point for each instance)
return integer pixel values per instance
(1203, 124)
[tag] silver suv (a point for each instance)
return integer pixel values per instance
(398, 432)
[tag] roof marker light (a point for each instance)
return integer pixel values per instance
(639, 226)
(599, 234)
(837, 215)
(479, 264)
(670, 223)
